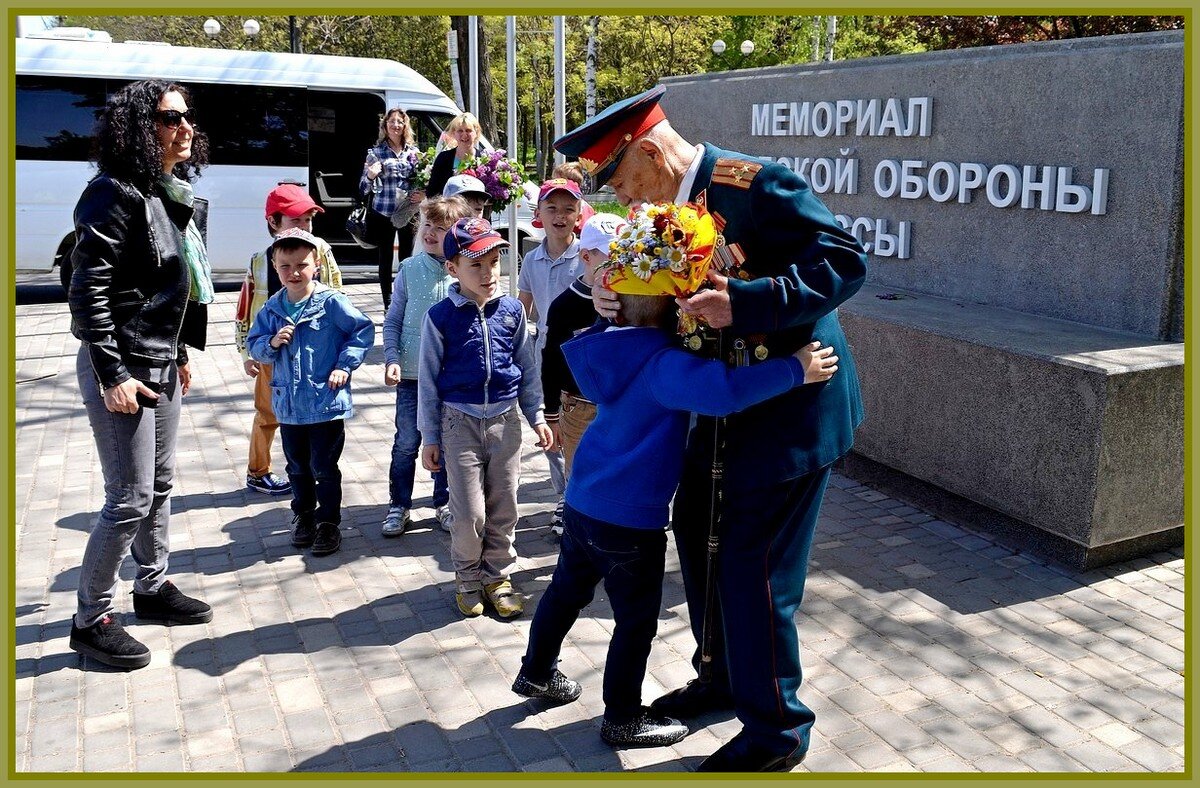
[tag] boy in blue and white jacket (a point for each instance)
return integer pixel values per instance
(314, 338)
(624, 473)
(477, 363)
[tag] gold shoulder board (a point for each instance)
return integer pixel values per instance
(735, 172)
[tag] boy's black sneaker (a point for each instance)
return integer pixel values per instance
(647, 730)
(107, 642)
(304, 530)
(169, 605)
(329, 539)
(558, 689)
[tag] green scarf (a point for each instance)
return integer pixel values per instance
(194, 253)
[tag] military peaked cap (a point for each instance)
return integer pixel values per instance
(600, 143)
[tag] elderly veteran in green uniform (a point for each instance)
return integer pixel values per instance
(785, 266)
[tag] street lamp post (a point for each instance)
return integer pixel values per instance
(251, 28)
(719, 47)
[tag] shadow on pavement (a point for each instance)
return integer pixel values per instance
(490, 743)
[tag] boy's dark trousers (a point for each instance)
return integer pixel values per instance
(630, 562)
(312, 452)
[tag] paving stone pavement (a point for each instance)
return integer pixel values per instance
(927, 647)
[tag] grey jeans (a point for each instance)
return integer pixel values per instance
(137, 457)
(482, 458)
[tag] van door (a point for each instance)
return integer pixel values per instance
(341, 126)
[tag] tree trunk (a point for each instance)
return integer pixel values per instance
(830, 36)
(546, 152)
(816, 39)
(590, 78)
(487, 107)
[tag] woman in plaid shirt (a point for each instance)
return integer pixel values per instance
(385, 174)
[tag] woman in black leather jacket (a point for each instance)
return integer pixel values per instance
(139, 287)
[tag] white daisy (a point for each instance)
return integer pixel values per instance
(673, 258)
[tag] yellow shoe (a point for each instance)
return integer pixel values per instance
(505, 599)
(470, 603)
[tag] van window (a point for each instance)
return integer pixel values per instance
(57, 117)
(428, 127)
(247, 124)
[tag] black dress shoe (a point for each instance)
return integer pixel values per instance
(169, 605)
(739, 754)
(692, 700)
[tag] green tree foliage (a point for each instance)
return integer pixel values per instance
(416, 41)
(954, 32)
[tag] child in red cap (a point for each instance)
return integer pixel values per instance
(288, 206)
(546, 272)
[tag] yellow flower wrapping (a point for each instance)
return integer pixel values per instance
(700, 241)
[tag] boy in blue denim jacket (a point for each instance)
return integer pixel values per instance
(314, 338)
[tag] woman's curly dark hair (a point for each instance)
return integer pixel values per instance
(125, 144)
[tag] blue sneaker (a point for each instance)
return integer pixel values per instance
(269, 483)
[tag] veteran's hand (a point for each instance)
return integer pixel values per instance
(605, 302)
(711, 306)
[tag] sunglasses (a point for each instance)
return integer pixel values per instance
(172, 118)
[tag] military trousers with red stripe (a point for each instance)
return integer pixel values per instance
(765, 539)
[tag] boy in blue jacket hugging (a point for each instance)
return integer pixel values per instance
(477, 370)
(314, 338)
(626, 469)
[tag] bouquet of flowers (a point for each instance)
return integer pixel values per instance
(420, 165)
(663, 249)
(501, 176)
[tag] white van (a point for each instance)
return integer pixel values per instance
(270, 117)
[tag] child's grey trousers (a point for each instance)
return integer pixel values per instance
(482, 458)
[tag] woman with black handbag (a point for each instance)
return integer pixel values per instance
(385, 185)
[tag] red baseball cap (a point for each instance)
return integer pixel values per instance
(559, 185)
(291, 200)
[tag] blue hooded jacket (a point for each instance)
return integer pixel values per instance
(630, 458)
(330, 334)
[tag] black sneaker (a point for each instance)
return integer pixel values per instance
(329, 539)
(647, 730)
(558, 689)
(304, 530)
(107, 642)
(169, 605)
